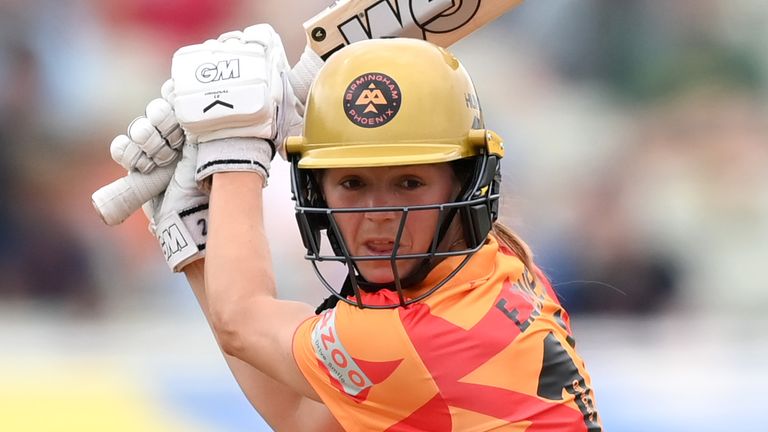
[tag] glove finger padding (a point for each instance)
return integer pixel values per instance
(228, 93)
(179, 217)
(148, 138)
(161, 116)
(129, 155)
(152, 140)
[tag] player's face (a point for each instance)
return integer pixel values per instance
(374, 233)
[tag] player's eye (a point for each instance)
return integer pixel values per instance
(352, 183)
(411, 183)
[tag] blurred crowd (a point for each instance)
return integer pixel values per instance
(636, 169)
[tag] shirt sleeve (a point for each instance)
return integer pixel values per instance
(303, 353)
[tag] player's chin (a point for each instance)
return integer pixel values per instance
(381, 272)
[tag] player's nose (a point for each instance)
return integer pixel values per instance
(382, 205)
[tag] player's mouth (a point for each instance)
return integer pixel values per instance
(377, 247)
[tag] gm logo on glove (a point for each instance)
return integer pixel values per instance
(223, 70)
(172, 241)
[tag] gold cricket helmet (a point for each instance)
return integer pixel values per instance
(389, 102)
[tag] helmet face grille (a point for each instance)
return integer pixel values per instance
(475, 208)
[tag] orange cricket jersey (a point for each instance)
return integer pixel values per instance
(490, 350)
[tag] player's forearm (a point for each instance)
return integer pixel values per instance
(249, 322)
(239, 268)
(279, 405)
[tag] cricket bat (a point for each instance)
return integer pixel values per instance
(442, 22)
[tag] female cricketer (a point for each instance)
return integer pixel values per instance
(443, 322)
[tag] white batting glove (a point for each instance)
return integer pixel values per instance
(233, 94)
(153, 139)
(178, 218)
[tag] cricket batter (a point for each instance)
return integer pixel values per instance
(444, 322)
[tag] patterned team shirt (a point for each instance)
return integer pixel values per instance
(492, 350)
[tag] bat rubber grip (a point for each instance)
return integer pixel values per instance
(303, 73)
(119, 199)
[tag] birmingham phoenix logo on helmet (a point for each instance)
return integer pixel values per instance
(372, 100)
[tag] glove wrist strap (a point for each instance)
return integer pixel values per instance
(182, 236)
(232, 154)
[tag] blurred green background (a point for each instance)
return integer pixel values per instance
(636, 168)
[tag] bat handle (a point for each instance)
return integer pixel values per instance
(119, 199)
(303, 73)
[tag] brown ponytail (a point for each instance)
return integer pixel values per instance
(507, 238)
